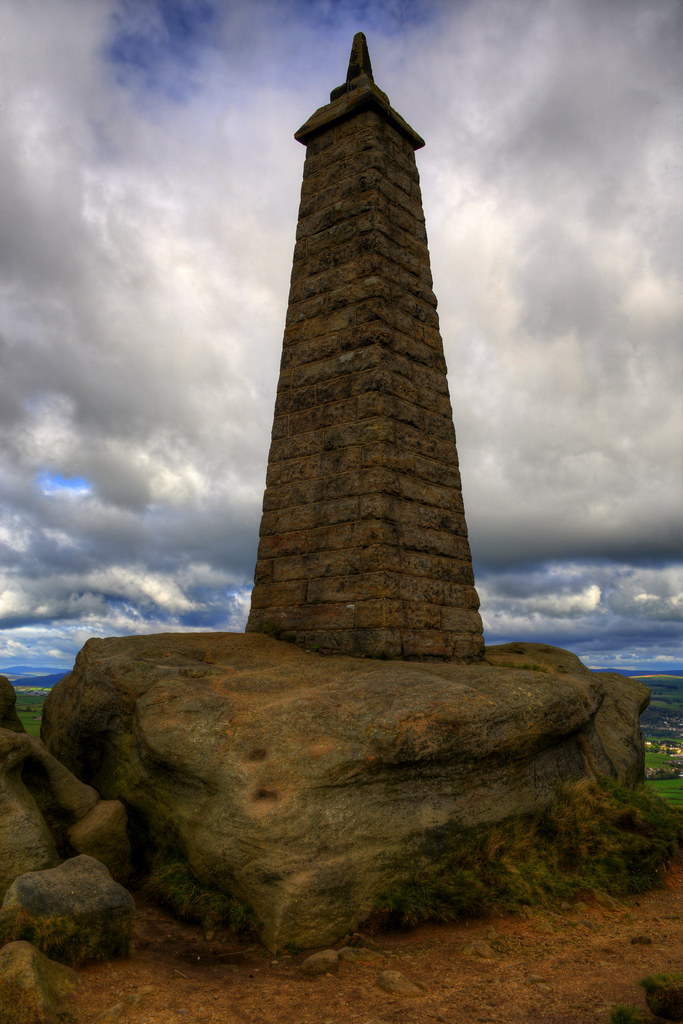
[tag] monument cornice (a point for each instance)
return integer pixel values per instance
(360, 94)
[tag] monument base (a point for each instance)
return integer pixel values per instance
(305, 784)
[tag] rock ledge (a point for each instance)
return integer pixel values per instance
(306, 785)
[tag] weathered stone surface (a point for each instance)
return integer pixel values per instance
(324, 962)
(102, 834)
(307, 784)
(33, 989)
(82, 890)
(358, 954)
(25, 840)
(479, 948)
(9, 719)
(398, 985)
(363, 538)
(34, 787)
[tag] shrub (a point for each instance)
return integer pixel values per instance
(625, 1015)
(63, 938)
(664, 994)
(171, 883)
(593, 836)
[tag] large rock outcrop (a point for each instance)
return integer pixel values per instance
(9, 719)
(307, 784)
(47, 813)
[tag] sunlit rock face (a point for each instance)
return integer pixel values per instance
(307, 784)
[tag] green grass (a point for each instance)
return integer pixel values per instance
(666, 700)
(29, 708)
(65, 939)
(657, 760)
(625, 1015)
(172, 884)
(668, 789)
(593, 836)
(663, 994)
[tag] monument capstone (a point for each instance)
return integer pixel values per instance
(363, 542)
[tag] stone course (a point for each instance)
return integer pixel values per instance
(363, 546)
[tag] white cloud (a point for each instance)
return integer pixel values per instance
(147, 222)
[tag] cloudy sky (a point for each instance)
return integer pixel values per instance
(149, 185)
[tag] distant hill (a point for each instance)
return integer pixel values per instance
(31, 670)
(642, 673)
(43, 681)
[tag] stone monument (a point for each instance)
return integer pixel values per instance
(363, 543)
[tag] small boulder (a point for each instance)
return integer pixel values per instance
(479, 948)
(76, 911)
(33, 989)
(358, 954)
(324, 962)
(605, 899)
(398, 985)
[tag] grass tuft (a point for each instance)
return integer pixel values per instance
(172, 884)
(593, 836)
(664, 994)
(621, 1014)
(65, 939)
(659, 982)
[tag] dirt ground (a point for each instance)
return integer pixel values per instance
(569, 967)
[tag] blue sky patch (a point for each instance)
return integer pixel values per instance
(54, 483)
(155, 44)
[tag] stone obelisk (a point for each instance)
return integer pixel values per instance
(363, 544)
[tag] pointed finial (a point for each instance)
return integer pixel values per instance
(358, 93)
(359, 65)
(359, 61)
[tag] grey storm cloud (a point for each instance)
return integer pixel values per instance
(148, 203)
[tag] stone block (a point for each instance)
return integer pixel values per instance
(331, 538)
(301, 492)
(353, 587)
(419, 615)
(308, 517)
(341, 436)
(294, 399)
(323, 416)
(296, 447)
(289, 471)
(280, 428)
(264, 569)
(460, 620)
(315, 564)
(364, 481)
(381, 613)
(279, 544)
(311, 373)
(334, 390)
(278, 595)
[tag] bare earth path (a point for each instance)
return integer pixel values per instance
(566, 968)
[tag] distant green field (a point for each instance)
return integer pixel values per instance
(670, 790)
(657, 760)
(29, 707)
(664, 716)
